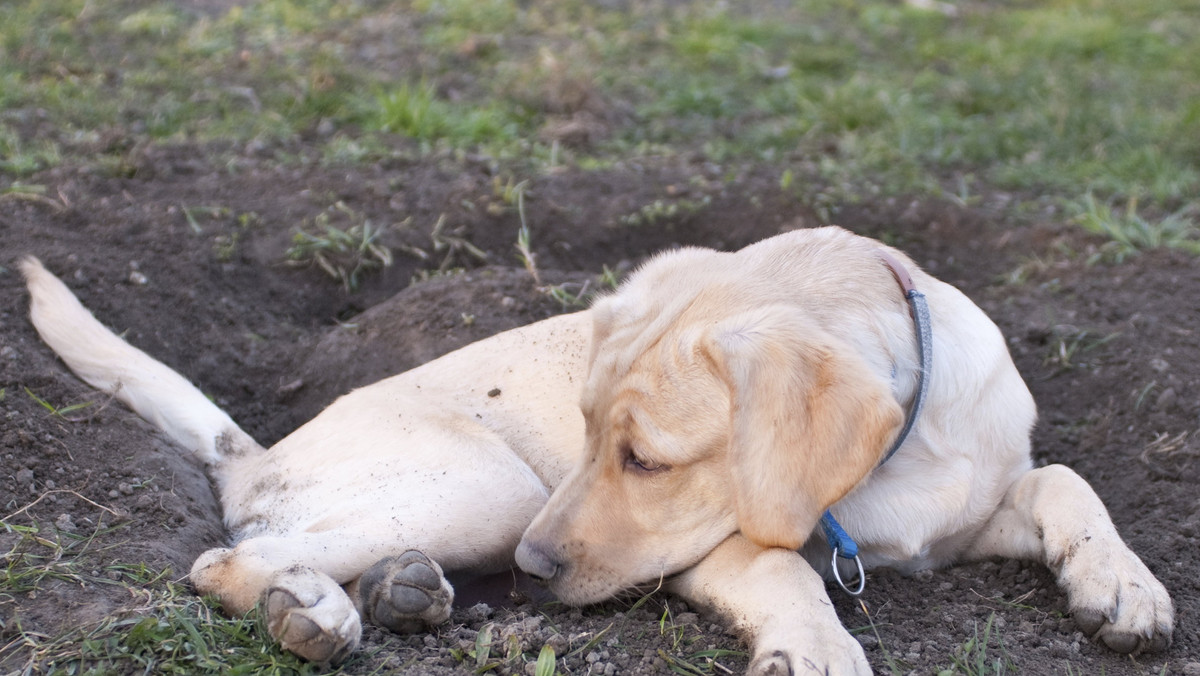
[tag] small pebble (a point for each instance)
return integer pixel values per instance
(65, 522)
(478, 612)
(1166, 400)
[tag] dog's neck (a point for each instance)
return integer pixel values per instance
(920, 314)
(840, 542)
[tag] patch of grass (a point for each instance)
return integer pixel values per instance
(59, 411)
(525, 254)
(451, 242)
(1068, 345)
(981, 655)
(1129, 232)
(37, 556)
(164, 629)
(267, 70)
(417, 112)
(20, 158)
(661, 210)
(343, 253)
(1064, 95)
(894, 666)
(852, 97)
(36, 194)
(701, 662)
(170, 631)
(194, 214)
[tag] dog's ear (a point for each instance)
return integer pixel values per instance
(809, 420)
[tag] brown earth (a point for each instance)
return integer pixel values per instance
(1109, 349)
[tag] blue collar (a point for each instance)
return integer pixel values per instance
(840, 542)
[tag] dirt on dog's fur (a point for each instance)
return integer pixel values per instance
(1110, 350)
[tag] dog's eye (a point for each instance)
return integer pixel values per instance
(637, 463)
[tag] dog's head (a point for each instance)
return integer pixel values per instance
(710, 408)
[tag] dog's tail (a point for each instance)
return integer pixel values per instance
(106, 362)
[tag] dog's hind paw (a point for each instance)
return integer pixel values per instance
(311, 615)
(1114, 598)
(405, 593)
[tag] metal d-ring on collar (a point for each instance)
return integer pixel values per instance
(840, 542)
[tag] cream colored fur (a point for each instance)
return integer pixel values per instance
(691, 427)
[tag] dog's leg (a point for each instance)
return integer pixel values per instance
(1051, 514)
(776, 600)
(406, 593)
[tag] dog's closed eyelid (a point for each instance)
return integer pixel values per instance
(637, 462)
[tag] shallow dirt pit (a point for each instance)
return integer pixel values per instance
(1109, 349)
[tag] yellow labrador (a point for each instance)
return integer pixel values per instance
(727, 400)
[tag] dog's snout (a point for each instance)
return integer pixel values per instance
(536, 561)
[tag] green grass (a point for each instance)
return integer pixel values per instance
(1129, 232)
(171, 632)
(156, 70)
(345, 253)
(60, 411)
(1064, 98)
(417, 112)
(981, 655)
(163, 629)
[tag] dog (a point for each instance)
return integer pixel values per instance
(693, 428)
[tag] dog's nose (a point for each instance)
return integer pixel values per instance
(534, 560)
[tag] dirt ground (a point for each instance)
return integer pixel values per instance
(1110, 350)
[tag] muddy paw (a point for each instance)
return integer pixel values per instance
(405, 593)
(1114, 598)
(310, 615)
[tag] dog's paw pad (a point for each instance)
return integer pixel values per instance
(407, 600)
(310, 615)
(418, 574)
(406, 593)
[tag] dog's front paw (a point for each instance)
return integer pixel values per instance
(310, 615)
(811, 652)
(1114, 598)
(405, 593)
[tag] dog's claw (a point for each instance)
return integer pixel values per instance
(775, 664)
(405, 593)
